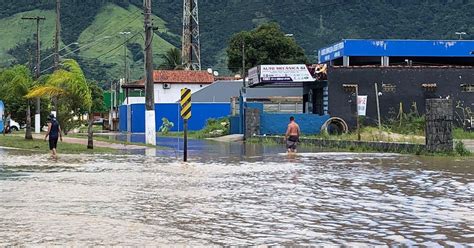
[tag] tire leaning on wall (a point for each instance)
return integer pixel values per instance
(335, 125)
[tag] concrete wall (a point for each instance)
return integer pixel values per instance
(201, 112)
(252, 122)
(439, 125)
(277, 123)
(408, 82)
(350, 145)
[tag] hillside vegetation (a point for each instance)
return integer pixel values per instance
(313, 23)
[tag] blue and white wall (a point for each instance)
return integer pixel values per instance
(201, 112)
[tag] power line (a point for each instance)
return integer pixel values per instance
(117, 47)
(121, 28)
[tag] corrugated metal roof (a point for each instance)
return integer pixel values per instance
(223, 91)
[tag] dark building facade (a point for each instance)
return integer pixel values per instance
(408, 86)
(407, 72)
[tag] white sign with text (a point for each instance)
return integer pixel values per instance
(362, 105)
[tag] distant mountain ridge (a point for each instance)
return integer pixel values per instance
(314, 24)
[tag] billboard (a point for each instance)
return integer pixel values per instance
(279, 74)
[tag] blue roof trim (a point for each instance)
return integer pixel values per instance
(398, 48)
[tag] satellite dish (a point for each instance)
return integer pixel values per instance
(209, 70)
(216, 73)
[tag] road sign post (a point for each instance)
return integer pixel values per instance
(185, 114)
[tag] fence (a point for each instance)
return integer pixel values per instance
(275, 123)
(201, 112)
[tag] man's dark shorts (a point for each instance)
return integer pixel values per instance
(292, 142)
(53, 143)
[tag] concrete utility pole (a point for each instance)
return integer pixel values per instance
(243, 62)
(191, 46)
(57, 34)
(150, 125)
(57, 37)
(38, 68)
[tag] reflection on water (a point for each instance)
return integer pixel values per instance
(231, 194)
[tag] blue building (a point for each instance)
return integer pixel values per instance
(406, 72)
(398, 52)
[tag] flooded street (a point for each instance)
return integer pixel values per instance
(231, 194)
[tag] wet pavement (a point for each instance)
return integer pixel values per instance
(234, 194)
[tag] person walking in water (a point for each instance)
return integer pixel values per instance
(292, 135)
(54, 132)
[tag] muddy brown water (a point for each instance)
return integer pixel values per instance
(229, 194)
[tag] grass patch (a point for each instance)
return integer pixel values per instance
(108, 140)
(214, 128)
(459, 133)
(40, 145)
(110, 21)
(95, 129)
(372, 134)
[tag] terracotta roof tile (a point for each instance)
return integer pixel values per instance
(179, 76)
(175, 77)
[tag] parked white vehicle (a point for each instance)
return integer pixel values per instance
(14, 126)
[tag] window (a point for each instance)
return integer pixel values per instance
(430, 87)
(467, 87)
(350, 87)
(389, 88)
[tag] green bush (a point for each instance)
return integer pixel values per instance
(461, 149)
(216, 127)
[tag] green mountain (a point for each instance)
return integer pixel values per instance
(96, 25)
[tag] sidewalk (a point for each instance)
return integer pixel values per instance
(97, 143)
(469, 143)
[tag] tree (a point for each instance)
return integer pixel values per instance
(15, 83)
(172, 60)
(266, 44)
(69, 86)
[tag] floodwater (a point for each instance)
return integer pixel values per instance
(232, 194)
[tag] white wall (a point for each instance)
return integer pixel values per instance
(174, 93)
(134, 100)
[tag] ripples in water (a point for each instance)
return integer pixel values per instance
(309, 199)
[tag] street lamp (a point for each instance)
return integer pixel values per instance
(125, 34)
(461, 34)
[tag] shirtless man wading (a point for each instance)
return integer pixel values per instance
(292, 135)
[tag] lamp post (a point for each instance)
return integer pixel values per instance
(125, 34)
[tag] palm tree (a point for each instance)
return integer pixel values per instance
(172, 60)
(69, 86)
(16, 83)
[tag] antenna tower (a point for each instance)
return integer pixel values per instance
(191, 47)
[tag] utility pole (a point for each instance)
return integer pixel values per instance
(243, 62)
(321, 26)
(38, 68)
(150, 123)
(57, 34)
(57, 37)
